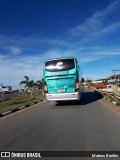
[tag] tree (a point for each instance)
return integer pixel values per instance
(40, 84)
(25, 82)
(88, 82)
(28, 83)
(32, 86)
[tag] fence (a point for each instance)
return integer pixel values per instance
(108, 92)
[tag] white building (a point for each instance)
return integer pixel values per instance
(99, 81)
(114, 79)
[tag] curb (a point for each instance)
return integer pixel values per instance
(113, 102)
(18, 109)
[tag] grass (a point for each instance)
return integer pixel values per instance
(109, 97)
(7, 104)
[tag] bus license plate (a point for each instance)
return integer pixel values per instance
(61, 90)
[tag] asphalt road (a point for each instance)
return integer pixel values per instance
(92, 125)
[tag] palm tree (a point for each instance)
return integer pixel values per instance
(40, 84)
(25, 82)
(31, 83)
(28, 83)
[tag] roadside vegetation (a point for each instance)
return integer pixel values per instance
(32, 93)
(113, 99)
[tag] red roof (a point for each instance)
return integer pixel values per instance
(99, 85)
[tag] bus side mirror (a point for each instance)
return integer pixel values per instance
(82, 80)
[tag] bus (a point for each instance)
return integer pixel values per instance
(62, 79)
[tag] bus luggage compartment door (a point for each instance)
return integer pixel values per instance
(61, 85)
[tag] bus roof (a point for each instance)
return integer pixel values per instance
(60, 58)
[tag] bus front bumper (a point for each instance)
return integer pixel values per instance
(63, 96)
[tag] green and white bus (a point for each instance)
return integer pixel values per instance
(62, 79)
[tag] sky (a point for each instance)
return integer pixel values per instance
(32, 31)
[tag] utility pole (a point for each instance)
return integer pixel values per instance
(115, 70)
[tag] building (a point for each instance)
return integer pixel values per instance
(98, 85)
(114, 79)
(100, 81)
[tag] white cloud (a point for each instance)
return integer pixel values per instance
(15, 50)
(111, 28)
(56, 53)
(12, 71)
(14, 68)
(96, 24)
(109, 10)
(90, 58)
(2, 56)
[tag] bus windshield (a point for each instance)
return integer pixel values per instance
(59, 65)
